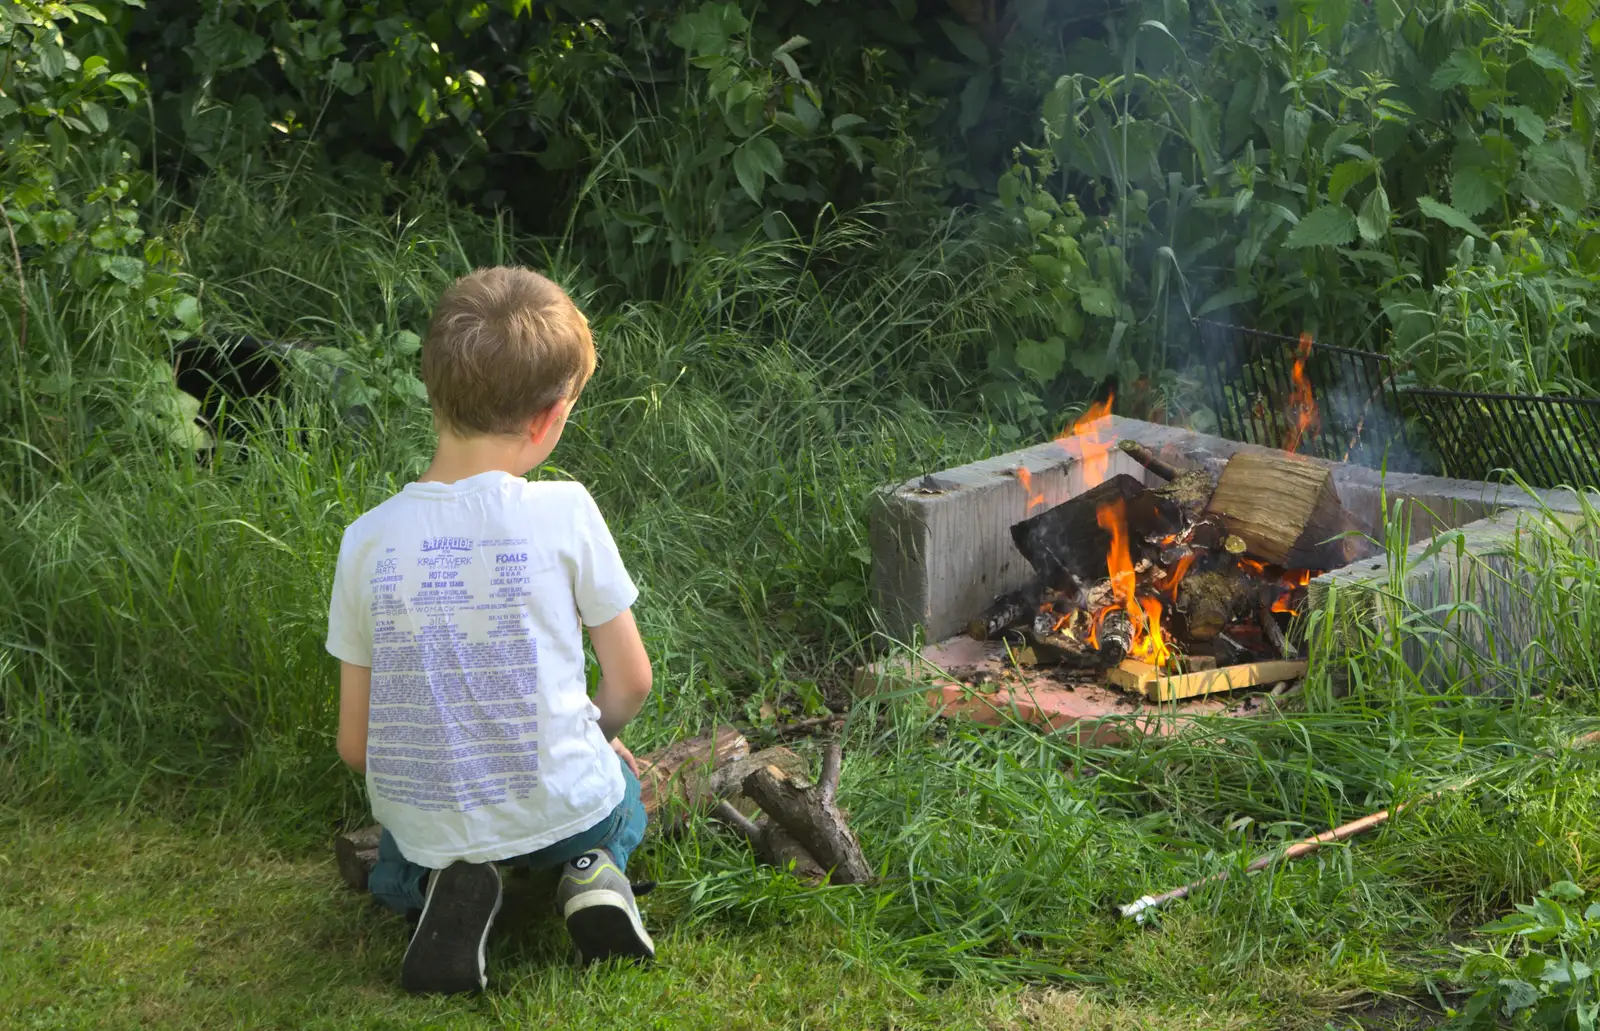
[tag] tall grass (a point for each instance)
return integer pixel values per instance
(164, 616)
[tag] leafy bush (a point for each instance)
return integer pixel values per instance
(1542, 974)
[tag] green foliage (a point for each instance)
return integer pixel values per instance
(1321, 170)
(1542, 974)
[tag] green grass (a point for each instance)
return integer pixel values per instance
(162, 680)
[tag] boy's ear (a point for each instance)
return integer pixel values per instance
(547, 420)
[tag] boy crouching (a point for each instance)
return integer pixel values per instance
(455, 617)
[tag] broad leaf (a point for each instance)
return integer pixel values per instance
(1373, 220)
(1565, 890)
(975, 99)
(751, 164)
(1473, 191)
(1519, 996)
(1331, 225)
(966, 41)
(1296, 129)
(1449, 216)
(1042, 359)
(1556, 173)
(1464, 67)
(1525, 120)
(1097, 299)
(1226, 299)
(1346, 175)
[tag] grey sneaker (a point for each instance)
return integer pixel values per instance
(446, 954)
(599, 909)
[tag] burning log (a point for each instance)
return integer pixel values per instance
(1147, 458)
(1012, 609)
(1215, 598)
(1285, 509)
(1274, 633)
(1068, 544)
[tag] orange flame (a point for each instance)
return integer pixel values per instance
(1144, 614)
(1302, 405)
(1026, 479)
(1168, 584)
(1291, 580)
(1092, 431)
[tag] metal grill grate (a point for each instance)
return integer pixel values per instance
(1250, 380)
(1548, 440)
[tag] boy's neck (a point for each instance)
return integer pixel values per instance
(461, 457)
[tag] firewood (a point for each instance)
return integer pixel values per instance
(683, 771)
(1149, 459)
(684, 777)
(772, 844)
(1010, 609)
(1158, 686)
(1066, 545)
(1212, 599)
(809, 815)
(356, 853)
(1286, 510)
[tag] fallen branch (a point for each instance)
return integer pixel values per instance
(1269, 626)
(1139, 907)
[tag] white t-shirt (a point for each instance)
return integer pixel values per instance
(465, 599)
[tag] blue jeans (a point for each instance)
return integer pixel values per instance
(402, 885)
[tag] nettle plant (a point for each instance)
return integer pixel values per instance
(1300, 170)
(1541, 973)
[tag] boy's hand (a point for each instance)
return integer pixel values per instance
(626, 756)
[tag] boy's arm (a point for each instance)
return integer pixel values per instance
(624, 672)
(355, 695)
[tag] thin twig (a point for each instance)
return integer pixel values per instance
(832, 760)
(22, 282)
(737, 820)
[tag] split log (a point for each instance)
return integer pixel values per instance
(809, 815)
(1066, 545)
(1158, 686)
(682, 771)
(1286, 510)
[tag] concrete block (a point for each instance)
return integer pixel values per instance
(942, 546)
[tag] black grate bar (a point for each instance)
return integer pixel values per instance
(1548, 440)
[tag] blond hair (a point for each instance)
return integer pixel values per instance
(504, 344)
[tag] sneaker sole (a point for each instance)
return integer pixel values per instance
(603, 926)
(446, 954)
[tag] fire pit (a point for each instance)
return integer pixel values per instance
(1130, 574)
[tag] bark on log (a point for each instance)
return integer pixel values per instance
(817, 824)
(683, 771)
(1286, 510)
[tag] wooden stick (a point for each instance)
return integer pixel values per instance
(832, 762)
(1147, 458)
(1269, 626)
(725, 812)
(1139, 907)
